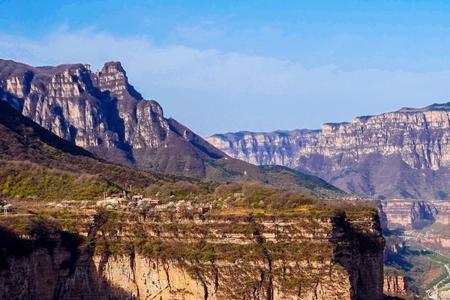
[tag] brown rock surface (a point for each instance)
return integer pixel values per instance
(394, 285)
(335, 258)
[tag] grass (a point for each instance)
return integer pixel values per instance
(28, 181)
(436, 257)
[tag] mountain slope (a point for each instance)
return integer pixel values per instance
(101, 112)
(35, 163)
(401, 154)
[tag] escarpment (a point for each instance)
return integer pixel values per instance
(191, 255)
(401, 154)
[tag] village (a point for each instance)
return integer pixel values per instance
(112, 202)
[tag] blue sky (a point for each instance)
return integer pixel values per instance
(221, 66)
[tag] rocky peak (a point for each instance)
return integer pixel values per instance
(112, 67)
(113, 78)
(103, 113)
(100, 111)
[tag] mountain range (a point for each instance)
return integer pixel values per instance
(400, 154)
(102, 113)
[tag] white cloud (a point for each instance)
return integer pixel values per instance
(214, 91)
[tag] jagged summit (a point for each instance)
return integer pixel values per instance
(112, 67)
(113, 78)
(110, 78)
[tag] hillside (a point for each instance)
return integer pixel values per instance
(35, 163)
(401, 154)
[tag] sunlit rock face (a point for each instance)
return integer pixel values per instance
(103, 113)
(337, 258)
(402, 154)
(394, 285)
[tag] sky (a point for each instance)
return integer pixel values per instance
(221, 66)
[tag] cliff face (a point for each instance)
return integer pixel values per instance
(402, 154)
(416, 214)
(222, 257)
(55, 274)
(395, 285)
(102, 112)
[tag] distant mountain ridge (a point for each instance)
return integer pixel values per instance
(103, 113)
(400, 154)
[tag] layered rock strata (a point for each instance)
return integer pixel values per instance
(416, 214)
(212, 257)
(401, 154)
(100, 111)
(395, 285)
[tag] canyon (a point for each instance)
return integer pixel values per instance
(400, 158)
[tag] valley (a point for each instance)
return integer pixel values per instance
(399, 158)
(416, 235)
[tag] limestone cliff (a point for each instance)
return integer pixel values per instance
(216, 256)
(402, 154)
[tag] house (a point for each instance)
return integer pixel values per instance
(137, 197)
(152, 201)
(108, 203)
(148, 202)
